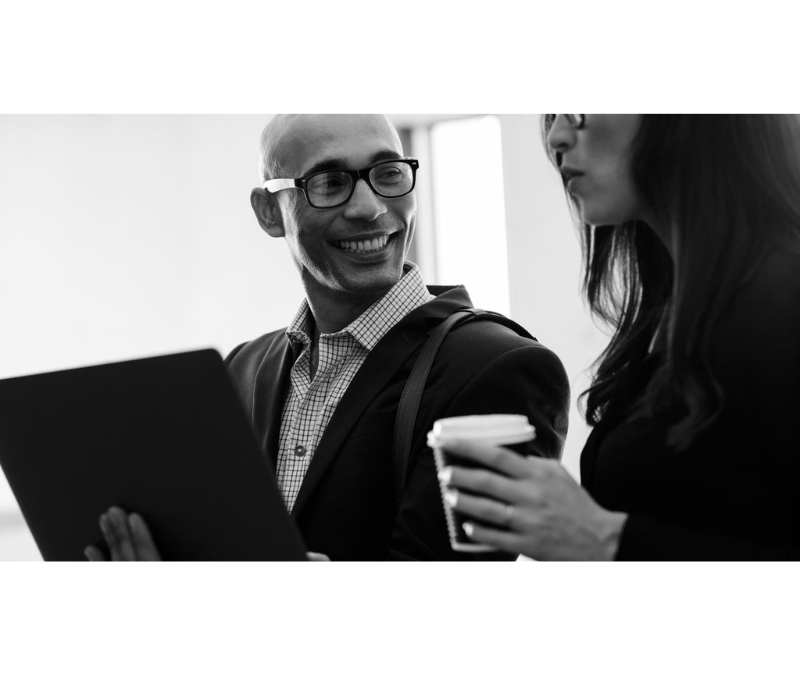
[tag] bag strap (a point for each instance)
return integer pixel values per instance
(410, 399)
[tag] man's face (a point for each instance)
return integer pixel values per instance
(324, 242)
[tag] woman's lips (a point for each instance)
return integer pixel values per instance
(570, 184)
(569, 175)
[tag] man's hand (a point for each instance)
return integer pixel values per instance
(317, 557)
(129, 539)
(127, 536)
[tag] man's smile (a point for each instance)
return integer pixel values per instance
(365, 243)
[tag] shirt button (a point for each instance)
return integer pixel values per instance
(300, 451)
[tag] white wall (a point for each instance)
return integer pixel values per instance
(469, 210)
(544, 263)
(123, 236)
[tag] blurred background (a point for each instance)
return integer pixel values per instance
(129, 236)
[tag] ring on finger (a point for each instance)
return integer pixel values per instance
(508, 516)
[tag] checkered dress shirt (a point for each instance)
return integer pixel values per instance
(310, 404)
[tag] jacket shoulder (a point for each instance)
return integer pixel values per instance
(486, 368)
(485, 340)
(244, 360)
(253, 349)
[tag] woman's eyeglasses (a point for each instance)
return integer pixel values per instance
(576, 121)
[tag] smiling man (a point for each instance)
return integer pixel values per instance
(347, 237)
(323, 393)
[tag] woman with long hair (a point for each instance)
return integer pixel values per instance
(691, 239)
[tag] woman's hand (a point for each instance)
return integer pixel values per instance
(127, 536)
(532, 506)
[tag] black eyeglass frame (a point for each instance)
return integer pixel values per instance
(277, 184)
(576, 121)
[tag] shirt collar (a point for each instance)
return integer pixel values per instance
(407, 294)
(299, 328)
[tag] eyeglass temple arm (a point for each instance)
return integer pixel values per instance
(276, 184)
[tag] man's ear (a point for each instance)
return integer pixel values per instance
(265, 206)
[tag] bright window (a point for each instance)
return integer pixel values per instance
(469, 209)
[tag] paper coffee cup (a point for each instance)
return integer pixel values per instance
(511, 431)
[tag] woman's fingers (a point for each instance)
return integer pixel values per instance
(495, 457)
(480, 481)
(487, 510)
(502, 539)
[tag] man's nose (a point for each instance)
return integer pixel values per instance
(364, 204)
(561, 136)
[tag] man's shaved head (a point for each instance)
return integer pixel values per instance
(269, 148)
(283, 134)
(327, 244)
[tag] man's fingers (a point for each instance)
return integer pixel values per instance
(317, 557)
(142, 539)
(115, 529)
(122, 532)
(128, 538)
(94, 554)
(110, 535)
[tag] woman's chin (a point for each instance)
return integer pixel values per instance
(600, 220)
(617, 213)
(604, 218)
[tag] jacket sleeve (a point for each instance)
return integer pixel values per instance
(528, 380)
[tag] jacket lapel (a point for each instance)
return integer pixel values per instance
(269, 395)
(378, 368)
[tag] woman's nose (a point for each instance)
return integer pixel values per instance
(561, 136)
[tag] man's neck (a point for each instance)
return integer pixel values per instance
(333, 314)
(330, 315)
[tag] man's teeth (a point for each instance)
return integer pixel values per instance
(371, 245)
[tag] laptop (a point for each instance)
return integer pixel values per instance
(166, 437)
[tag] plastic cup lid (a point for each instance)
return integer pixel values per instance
(488, 428)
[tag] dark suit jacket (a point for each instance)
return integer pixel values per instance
(346, 506)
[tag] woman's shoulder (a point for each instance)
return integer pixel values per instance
(761, 338)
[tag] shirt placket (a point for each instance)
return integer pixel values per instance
(313, 397)
(301, 434)
(289, 473)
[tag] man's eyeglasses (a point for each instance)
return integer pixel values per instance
(326, 189)
(576, 121)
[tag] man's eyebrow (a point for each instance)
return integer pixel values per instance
(334, 163)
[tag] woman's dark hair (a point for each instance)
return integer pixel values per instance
(727, 190)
